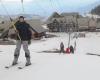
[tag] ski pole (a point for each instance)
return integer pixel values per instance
(15, 28)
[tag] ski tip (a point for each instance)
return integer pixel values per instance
(6, 67)
(20, 68)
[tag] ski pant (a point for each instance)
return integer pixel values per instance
(25, 48)
(62, 50)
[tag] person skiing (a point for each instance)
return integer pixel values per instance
(24, 31)
(71, 49)
(62, 48)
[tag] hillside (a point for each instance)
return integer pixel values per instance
(96, 10)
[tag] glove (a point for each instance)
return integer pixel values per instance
(29, 42)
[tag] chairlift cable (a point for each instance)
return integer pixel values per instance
(5, 9)
(23, 10)
(10, 19)
(55, 5)
(58, 5)
(43, 9)
(52, 5)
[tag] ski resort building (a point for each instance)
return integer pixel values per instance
(70, 21)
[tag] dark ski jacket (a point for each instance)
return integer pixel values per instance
(71, 49)
(61, 46)
(24, 31)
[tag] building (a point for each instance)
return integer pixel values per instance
(92, 24)
(83, 24)
(66, 22)
(36, 25)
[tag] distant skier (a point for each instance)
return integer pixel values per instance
(24, 31)
(71, 49)
(75, 46)
(62, 48)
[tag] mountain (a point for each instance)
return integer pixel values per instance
(96, 10)
(27, 16)
(88, 8)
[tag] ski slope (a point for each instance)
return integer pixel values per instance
(53, 66)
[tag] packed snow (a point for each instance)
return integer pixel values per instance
(55, 66)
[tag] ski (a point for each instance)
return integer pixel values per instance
(7, 67)
(93, 54)
(22, 67)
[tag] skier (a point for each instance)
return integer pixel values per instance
(71, 49)
(24, 31)
(62, 48)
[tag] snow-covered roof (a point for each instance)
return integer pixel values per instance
(37, 25)
(75, 14)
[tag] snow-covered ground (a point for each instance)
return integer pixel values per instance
(52, 66)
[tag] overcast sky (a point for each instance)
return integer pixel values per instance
(44, 7)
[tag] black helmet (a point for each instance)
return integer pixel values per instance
(21, 17)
